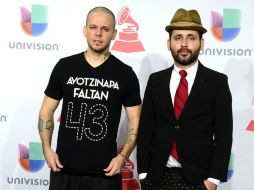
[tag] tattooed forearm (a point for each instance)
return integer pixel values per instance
(49, 125)
(40, 124)
(131, 136)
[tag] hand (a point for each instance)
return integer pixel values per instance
(52, 159)
(209, 185)
(115, 166)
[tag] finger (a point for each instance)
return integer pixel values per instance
(109, 167)
(112, 171)
(54, 167)
(49, 165)
(58, 163)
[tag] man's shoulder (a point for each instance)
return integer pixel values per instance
(118, 63)
(72, 57)
(161, 73)
(213, 73)
(66, 62)
(121, 67)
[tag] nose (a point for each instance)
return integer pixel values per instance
(98, 32)
(184, 42)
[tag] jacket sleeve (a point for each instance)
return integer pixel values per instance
(145, 132)
(223, 126)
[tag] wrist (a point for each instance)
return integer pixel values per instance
(214, 181)
(123, 156)
(46, 146)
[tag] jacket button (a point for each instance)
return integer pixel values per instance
(177, 127)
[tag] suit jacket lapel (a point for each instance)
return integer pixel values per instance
(196, 89)
(166, 97)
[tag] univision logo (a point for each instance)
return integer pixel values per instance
(31, 159)
(226, 27)
(3, 118)
(230, 167)
(34, 22)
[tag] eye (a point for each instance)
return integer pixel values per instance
(92, 27)
(177, 38)
(192, 38)
(106, 29)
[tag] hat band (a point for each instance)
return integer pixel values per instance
(184, 24)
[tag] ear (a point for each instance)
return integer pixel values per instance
(84, 31)
(114, 34)
(168, 44)
(202, 43)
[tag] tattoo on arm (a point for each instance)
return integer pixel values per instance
(40, 125)
(49, 125)
(131, 136)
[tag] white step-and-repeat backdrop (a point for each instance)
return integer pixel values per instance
(29, 52)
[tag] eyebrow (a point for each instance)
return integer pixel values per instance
(188, 35)
(104, 26)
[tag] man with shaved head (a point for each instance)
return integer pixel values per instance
(93, 86)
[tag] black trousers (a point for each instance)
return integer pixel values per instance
(172, 179)
(62, 181)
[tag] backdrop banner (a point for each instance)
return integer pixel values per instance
(35, 34)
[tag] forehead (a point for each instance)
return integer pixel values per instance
(184, 32)
(100, 17)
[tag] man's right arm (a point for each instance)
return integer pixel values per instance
(46, 127)
(145, 131)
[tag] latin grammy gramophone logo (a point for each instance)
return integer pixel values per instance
(250, 126)
(129, 182)
(128, 35)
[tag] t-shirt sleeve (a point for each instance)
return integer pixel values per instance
(54, 88)
(132, 93)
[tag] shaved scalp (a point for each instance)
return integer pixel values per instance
(102, 9)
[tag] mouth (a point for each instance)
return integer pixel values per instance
(97, 42)
(184, 52)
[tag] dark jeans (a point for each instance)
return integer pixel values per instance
(62, 181)
(172, 179)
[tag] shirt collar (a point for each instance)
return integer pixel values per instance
(191, 69)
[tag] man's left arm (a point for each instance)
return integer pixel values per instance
(117, 163)
(223, 125)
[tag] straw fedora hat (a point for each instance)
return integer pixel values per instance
(186, 20)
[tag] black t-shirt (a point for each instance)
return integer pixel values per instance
(91, 110)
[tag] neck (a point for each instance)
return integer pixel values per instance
(184, 67)
(96, 59)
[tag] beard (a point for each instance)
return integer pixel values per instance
(185, 60)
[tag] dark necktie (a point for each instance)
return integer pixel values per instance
(181, 97)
